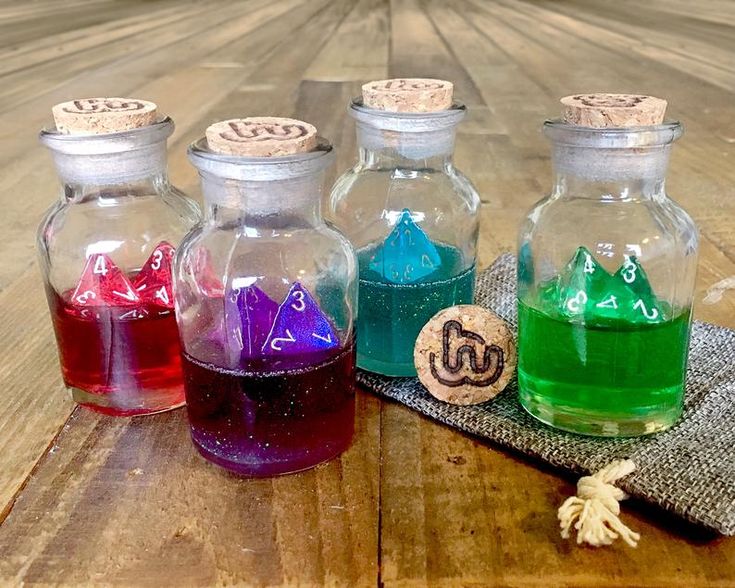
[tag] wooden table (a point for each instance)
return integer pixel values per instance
(87, 499)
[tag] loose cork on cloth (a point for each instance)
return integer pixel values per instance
(485, 345)
(688, 470)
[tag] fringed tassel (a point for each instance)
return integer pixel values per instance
(596, 508)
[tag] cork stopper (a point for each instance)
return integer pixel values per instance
(408, 95)
(261, 136)
(610, 111)
(97, 116)
(465, 355)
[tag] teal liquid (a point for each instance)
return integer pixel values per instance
(607, 379)
(391, 315)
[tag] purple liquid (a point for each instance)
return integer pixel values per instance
(265, 423)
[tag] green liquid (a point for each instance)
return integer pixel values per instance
(614, 379)
(390, 315)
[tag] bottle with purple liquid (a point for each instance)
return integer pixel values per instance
(266, 303)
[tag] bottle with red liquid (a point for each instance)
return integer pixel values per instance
(106, 251)
(266, 302)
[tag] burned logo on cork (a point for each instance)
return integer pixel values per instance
(101, 105)
(242, 130)
(408, 84)
(610, 100)
(465, 355)
(466, 358)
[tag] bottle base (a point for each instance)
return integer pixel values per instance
(124, 404)
(384, 368)
(272, 468)
(594, 424)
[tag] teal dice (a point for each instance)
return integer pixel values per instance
(407, 255)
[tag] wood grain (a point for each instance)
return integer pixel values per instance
(86, 499)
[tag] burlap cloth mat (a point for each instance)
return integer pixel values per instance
(688, 470)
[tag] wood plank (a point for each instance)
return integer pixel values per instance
(34, 407)
(443, 495)
(29, 170)
(92, 500)
(26, 446)
(47, 76)
(17, 26)
(52, 407)
(458, 513)
(251, 533)
(697, 160)
(130, 502)
(358, 50)
(54, 46)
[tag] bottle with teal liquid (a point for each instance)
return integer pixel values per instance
(412, 218)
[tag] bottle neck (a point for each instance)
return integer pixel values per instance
(610, 174)
(386, 149)
(76, 192)
(291, 203)
(141, 171)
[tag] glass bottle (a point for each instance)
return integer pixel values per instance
(606, 274)
(266, 296)
(105, 253)
(413, 219)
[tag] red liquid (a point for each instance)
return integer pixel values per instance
(119, 361)
(264, 423)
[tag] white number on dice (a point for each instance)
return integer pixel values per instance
(629, 269)
(299, 305)
(162, 294)
(84, 297)
(157, 259)
(575, 304)
(100, 267)
(275, 343)
(651, 315)
(611, 302)
(589, 267)
(327, 339)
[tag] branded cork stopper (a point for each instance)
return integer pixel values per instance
(465, 355)
(609, 111)
(97, 116)
(408, 95)
(261, 136)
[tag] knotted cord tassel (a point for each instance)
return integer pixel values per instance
(596, 508)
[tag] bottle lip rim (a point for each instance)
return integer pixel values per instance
(96, 144)
(408, 122)
(238, 167)
(662, 134)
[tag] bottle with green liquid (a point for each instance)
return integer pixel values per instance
(606, 274)
(411, 216)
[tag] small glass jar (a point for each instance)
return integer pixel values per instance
(413, 219)
(106, 250)
(606, 275)
(265, 297)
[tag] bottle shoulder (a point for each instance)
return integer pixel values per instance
(374, 191)
(116, 221)
(314, 237)
(646, 227)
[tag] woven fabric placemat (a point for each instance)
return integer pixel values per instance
(688, 470)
